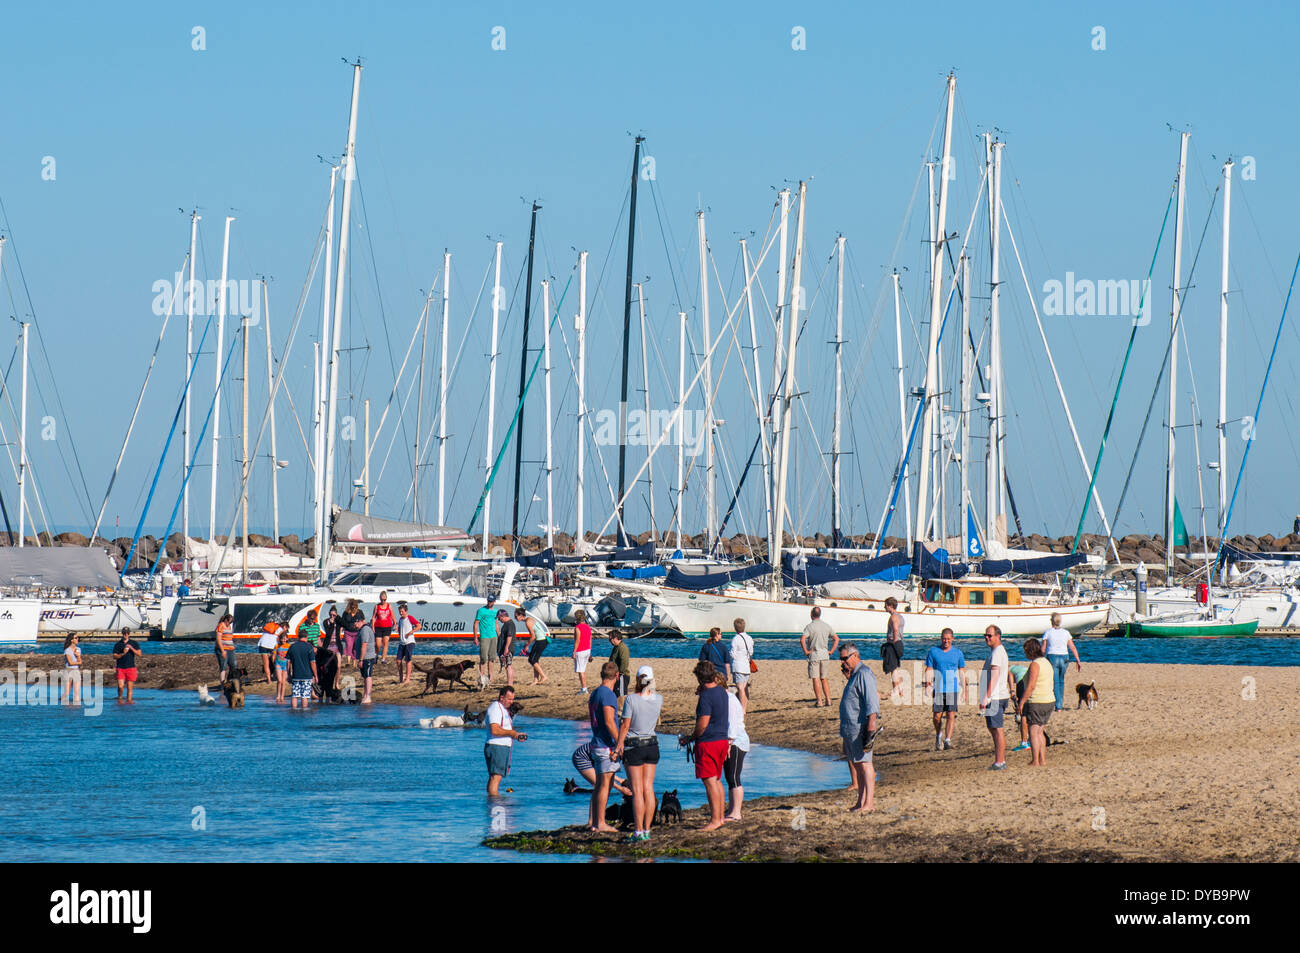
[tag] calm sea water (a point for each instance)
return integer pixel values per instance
(1206, 651)
(331, 784)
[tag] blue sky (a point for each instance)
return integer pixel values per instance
(455, 139)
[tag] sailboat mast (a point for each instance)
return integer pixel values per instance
(581, 328)
(189, 367)
(839, 394)
(1223, 348)
(492, 397)
(936, 316)
(681, 399)
(322, 368)
(270, 399)
(523, 376)
(902, 413)
(22, 450)
(546, 376)
(775, 521)
(965, 403)
(1170, 499)
(787, 398)
(645, 387)
(995, 347)
(627, 335)
(349, 169)
(419, 411)
(243, 453)
(216, 384)
(442, 391)
(760, 407)
(710, 504)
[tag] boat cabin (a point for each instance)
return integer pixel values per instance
(963, 593)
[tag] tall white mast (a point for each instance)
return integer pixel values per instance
(681, 399)
(778, 350)
(902, 415)
(22, 451)
(1170, 499)
(710, 503)
(760, 408)
(243, 451)
(839, 394)
(787, 398)
(581, 328)
(645, 382)
(217, 362)
(964, 509)
(348, 166)
(991, 469)
(189, 367)
(936, 316)
(497, 293)
(270, 399)
(995, 347)
(322, 369)
(1223, 349)
(546, 377)
(442, 391)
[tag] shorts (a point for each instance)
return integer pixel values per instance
(497, 758)
(383, 631)
(639, 751)
(735, 764)
(350, 644)
(486, 648)
(262, 650)
(282, 665)
(1037, 713)
(740, 678)
(891, 656)
(710, 757)
(535, 651)
(945, 701)
(997, 708)
(127, 674)
(854, 751)
(301, 687)
(367, 667)
(580, 660)
(406, 652)
(506, 659)
(582, 758)
(602, 760)
(819, 668)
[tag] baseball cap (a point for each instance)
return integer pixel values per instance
(646, 672)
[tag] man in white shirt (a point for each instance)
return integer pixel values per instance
(501, 739)
(742, 650)
(995, 694)
(405, 643)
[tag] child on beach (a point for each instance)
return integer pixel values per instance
(581, 649)
(281, 665)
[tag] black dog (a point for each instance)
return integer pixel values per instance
(449, 673)
(327, 670)
(670, 809)
(571, 787)
(621, 815)
(233, 687)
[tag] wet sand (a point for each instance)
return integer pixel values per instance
(1177, 763)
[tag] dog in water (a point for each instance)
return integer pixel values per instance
(571, 787)
(451, 674)
(1087, 695)
(205, 698)
(233, 687)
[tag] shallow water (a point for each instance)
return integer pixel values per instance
(1201, 651)
(169, 780)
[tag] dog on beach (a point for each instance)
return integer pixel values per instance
(466, 719)
(670, 809)
(451, 674)
(571, 787)
(233, 687)
(205, 698)
(483, 680)
(1087, 695)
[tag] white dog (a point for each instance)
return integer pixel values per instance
(443, 721)
(204, 697)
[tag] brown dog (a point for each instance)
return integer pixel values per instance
(449, 673)
(233, 688)
(1087, 695)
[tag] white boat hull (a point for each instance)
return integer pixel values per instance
(61, 617)
(1274, 608)
(19, 619)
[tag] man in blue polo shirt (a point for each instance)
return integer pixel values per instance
(943, 665)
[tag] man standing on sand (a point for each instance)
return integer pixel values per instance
(712, 719)
(995, 694)
(602, 714)
(366, 655)
(125, 652)
(818, 643)
(738, 669)
(506, 645)
(891, 652)
(621, 657)
(405, 643)
(943, 667)
(859, 713)
(485, 635)
(501, 738)
(302, 669)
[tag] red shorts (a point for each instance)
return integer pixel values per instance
(126, 674)
(710, 756)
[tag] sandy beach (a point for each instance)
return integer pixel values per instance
(1177, 763)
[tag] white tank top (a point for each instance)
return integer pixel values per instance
(1055, 641)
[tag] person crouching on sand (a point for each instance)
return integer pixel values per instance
(712, 713)
(539, 638)
(859, 713)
